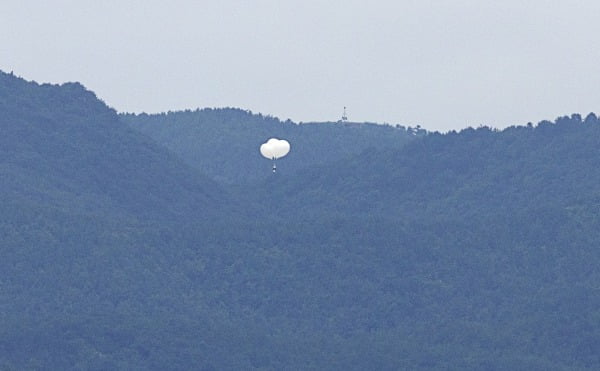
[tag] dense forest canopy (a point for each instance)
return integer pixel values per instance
(129, 242)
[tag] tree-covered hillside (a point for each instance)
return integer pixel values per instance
(62, 145)
(90, 256)
(483, 236)
(552, 164)
(223, 143)
(471, 250)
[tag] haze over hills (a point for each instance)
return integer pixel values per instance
(129, 249)
(223, 143)
(73, 143)
(88, 244)
(474, 168)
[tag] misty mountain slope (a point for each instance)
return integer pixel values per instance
(223, 143)
(482, 242)
(554, 164)
(62, 144)
(88, 216)
(523, 201)
(498, 229)
(472, 250)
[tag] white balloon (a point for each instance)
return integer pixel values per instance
(282, 148)
(267, 151)
(275, 148)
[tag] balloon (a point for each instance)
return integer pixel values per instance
(281, 148)
(266, 151)
(275, 148)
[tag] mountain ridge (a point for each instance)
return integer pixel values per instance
(475, 249)
(223, 143)
(68, 134)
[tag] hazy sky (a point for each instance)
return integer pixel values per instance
(441, 64)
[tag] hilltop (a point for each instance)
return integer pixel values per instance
(223, 143)
(124, 247)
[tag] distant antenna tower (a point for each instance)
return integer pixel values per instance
(344, 116)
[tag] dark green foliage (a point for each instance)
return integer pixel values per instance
(471, 250)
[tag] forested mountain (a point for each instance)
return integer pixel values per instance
(470, 250)
(223, 143)
(550, 165)
(492, 233)
(90, 212)
(61, 145)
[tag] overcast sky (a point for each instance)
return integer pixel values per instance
(441, 64)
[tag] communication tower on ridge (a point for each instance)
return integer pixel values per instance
(344, 116)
